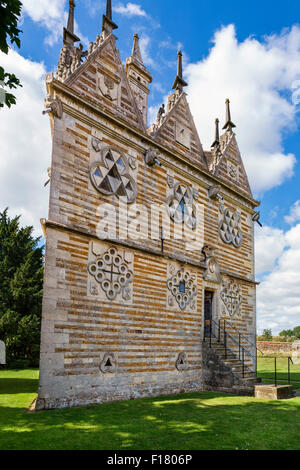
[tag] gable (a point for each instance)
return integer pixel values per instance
(178, 131)
(230, 167)
(102, 79)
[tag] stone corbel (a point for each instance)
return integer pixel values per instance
(214, 192)
(54, 106)
(151, 158)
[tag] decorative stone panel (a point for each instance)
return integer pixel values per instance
(182, 289)
(229, 226)
(181, 205)
(213, 271)
(110, 274)
(110, 175)
(181, 363)
(231, 297)
(232, 170)
(108, 364)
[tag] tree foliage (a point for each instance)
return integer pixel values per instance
(21, 283)
(288, 334)
(10, 11)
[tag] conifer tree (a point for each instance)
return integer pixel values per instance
(21, 283)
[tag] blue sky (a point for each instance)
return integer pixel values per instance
(248, 51)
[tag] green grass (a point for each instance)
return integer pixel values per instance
(266, 367)
(192, 421)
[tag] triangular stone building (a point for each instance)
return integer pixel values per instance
(149, 284)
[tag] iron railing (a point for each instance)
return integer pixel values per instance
(277, 372)
(231, 344)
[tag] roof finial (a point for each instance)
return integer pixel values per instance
(217, 135)
(69, 36)
(179, 82)
(70, 26)
(229, 124)
(108, 10)
(108, 25)
(136, 51)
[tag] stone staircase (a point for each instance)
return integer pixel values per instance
(225, 374)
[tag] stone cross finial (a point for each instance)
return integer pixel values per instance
(229, 124)
(217, 135)
(179, 82)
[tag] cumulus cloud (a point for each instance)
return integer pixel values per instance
(269, 245)
(52, 16)
(25, 144)
(294, 215)
(259, 78)
(278, 296)
(131, 9)
(144, 46)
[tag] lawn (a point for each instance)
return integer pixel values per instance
(266, 367)
(201, 420)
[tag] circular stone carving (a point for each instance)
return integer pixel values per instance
(112, 272)
(110, 175)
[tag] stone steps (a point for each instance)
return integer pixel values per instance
(247, 381)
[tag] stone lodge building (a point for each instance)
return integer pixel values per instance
(123, 316)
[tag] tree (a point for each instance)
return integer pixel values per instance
(267, 334)
(21, 284)
(286, 333)
(296, 332)
(10, 11)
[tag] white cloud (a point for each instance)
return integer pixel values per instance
(294, 215)
(278, 296)
(131, 9)
(258, 77)
(144, 46)
(52, 16)
(269, 246)
(25, 144)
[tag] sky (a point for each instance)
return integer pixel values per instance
(247, 51)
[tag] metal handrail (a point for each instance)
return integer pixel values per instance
(276, 379)
(226, 335)
(242, 336)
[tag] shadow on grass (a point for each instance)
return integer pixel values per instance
(18, 385)
(201, 420)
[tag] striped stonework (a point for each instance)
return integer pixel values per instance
(123, 315)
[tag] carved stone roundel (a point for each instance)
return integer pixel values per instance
(112, 272)
(229, 228)
(110, 175)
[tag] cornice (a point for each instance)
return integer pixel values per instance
(135, 246)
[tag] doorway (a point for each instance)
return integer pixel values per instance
(208, 311)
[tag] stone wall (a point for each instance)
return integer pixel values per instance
(273, 347)
(121, 329)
